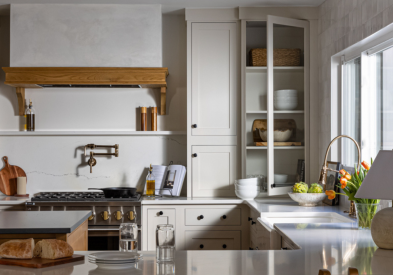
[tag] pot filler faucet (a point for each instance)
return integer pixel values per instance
(92, 161)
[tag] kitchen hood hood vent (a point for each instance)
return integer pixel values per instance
(85, 77)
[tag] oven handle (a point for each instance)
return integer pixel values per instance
(101, 228)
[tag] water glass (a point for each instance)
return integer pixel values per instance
(165, 241)
(165, 268)
(128, 237)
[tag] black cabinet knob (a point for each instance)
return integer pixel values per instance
(224, 246)
(284, 248)
(194, 126)
(250, 248)
(249, 219)
(194, 155)
(252, 223)
(201, 246)
(160, 213)
(201, 217)
(224, 217)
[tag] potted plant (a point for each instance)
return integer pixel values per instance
(365, 208)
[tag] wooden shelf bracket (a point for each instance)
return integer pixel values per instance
(20, 93)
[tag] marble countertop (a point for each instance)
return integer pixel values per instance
(11, 200)
(185, 200)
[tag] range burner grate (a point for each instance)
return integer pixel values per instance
(79, 196)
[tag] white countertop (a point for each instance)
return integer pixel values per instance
(10, 200)
(185, 200)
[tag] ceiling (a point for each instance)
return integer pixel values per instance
(174, 6)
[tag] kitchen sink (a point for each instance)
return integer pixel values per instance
(303, 217)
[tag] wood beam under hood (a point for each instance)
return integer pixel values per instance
(36, 77)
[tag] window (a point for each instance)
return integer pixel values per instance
(367, 104)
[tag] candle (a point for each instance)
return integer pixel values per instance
(21, 185)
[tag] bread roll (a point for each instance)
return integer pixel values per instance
(53, 249)
(17, 249)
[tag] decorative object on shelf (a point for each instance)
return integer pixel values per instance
(307, 199)
(143, 118)
(285, 99)
(279, 135)
(322, 175)
(332, 182)
(8, 178)
(30, 118)
(281, 57)
(92, 161)
(350, 184)
(260, 125)
(300, 171)
(378, 185)
(153, 124)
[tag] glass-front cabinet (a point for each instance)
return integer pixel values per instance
(275, 101)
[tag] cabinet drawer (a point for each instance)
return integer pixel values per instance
(212, 240)
(213, 217)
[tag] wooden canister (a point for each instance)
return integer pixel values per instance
(153, 118)
(143, 118)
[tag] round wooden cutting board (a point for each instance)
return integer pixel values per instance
(8, 177)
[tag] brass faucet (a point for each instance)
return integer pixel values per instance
(322, 176)
(92, 161)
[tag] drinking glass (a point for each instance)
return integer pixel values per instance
(165, 268)
(165, 240)
(128, 237)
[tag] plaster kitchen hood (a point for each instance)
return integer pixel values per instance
(88, 77)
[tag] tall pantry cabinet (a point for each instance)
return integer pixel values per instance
(212, 99)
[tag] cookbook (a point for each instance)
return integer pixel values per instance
(170, 178)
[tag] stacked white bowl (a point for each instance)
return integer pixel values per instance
(285, 99)
(248, 189)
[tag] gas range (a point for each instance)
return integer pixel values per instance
(79, 197)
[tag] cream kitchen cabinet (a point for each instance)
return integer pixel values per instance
(154, 217)
(213, 171)
(213, 79)
(212, 240)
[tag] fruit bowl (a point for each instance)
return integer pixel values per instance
(307, 199)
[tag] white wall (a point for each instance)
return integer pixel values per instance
(57, 162)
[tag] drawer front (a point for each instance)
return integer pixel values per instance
(213, 217)
(212, 240)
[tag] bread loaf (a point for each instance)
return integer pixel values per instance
(17, 249)
(53, 249)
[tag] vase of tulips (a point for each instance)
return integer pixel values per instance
(365, 208)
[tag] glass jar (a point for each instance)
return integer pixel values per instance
(365, 213)
(128, 237)
(165, 241)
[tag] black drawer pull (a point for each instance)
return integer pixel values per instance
(201, 246)
(252, 223)
(224, 217)
(160, 213)
(250, 248)
(224, 246)
(201, 217)
(284, 248)
(194, 125)
(194, 155)
(249, 219)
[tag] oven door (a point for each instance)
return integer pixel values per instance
(107, 238)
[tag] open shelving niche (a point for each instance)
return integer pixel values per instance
(255, 103)
(93, 133)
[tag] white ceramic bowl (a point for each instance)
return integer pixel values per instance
(247, 187)
(279, 135)
(285, 104)
(246, 194)
(285, 92)
(280, 178)
(307, 199)
(249, 183)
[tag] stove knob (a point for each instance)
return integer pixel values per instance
(118, 215)
(131, 215)
(105, 215)
(92, 216)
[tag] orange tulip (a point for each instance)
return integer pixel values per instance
(343, 182)
(342, 172)
(365, 165)
(358, 173)
(331, 194)
(348, 176)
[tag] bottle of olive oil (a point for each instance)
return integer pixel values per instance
(30, 117)
(150, 183)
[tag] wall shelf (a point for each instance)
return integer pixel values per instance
(275, 148)
(84, 77)
(277, 112)
(93, 133)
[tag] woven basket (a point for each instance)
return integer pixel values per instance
(281, 57)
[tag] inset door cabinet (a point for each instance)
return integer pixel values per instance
(213, 79)
(212, 240)
(213, 171)
(154, 218)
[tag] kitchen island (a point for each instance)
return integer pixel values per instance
(70, 226)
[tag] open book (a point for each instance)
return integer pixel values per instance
(168, 177)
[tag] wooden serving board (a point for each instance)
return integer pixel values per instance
(279, 124)
(8, 177)
(287, 143)
(40, 263)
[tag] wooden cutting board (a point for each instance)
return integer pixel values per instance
(40, 263)
(279, 124)
(8, 177)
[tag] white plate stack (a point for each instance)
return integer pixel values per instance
(285, 99)
(248, 189)
(114, 260)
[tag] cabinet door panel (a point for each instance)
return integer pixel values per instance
(154, 218)
(213, 217)
(213, 171)
(213, 78)
(212, 240)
